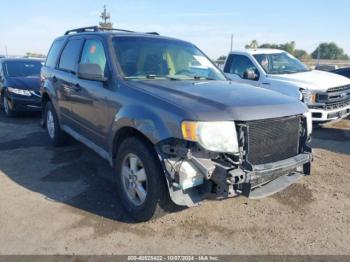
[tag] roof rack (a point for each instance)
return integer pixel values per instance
(100, 29)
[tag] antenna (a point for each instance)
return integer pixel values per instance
(231, 42)
(105, 19)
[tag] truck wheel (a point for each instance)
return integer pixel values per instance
(140, 180)
(5, 103)
(56, 135)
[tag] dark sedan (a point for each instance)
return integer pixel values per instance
(20, 85)
(343, 71)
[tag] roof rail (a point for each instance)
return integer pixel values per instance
(100, 29)
(82, 29)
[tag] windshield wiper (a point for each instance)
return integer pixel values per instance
(152, 76)
(170, 77)
(203, 77)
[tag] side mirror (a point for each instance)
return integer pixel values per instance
(250, 74)
(91, 72)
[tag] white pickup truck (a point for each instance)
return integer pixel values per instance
(326, 94)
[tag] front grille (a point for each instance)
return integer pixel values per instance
(272, 140)
(337, 105)
(338, 88)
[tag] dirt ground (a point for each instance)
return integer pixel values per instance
(60, 201)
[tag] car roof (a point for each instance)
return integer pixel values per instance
(108, 34)
(258, 51)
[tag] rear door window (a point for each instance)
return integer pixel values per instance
(52, 57)
(70, 55)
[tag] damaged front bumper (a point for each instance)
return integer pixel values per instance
(193, 178)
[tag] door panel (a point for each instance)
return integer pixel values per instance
(89, 98)
(62, 84)
(89, 109)
(65, 79)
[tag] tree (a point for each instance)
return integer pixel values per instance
(252, 45)
(288, 47)
(222, 58)
(329, 51)
(301, 55)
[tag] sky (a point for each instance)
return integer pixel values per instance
(31, 26)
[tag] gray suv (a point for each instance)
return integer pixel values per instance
(174, 129)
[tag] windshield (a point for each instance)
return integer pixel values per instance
(152, 58)
(280, 63)
(22, 68)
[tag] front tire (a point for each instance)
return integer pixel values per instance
(140, 180)
(56, 136)
(5, 103)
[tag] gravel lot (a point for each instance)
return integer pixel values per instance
(61, 201)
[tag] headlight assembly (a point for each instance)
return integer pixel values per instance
(217, 136)
(17, 91)
(307, 96)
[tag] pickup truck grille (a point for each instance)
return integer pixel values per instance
(337, 105)
(335, 98)
(338, 88)
(273, 140)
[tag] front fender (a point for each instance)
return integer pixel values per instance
(285, 89)
(147, 122)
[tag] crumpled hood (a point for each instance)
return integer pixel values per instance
(28, 83)
(222, 100)
(312, 80)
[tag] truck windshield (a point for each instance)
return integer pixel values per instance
(155, 58)
(22, 68)
(280, 63)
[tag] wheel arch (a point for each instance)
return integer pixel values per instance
(142, 122)
(127, 132)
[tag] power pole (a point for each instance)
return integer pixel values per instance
(106, 23)
(318, 56)
(231, 42)
(6, 50)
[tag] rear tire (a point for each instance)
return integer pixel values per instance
(141, 182)
(56, 136)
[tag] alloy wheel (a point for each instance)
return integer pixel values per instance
(6, 105)
(134, 179)
(50, 124)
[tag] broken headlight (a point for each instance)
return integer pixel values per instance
(217, 136)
